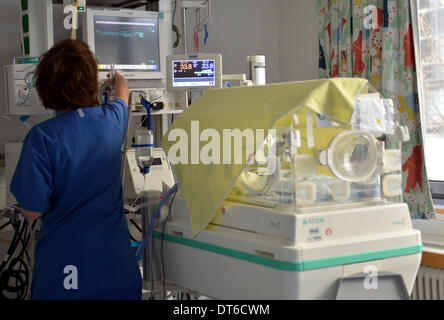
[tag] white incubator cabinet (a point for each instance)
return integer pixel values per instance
(317, 203)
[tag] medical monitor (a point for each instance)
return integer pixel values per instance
(129, 39)
(194, 71)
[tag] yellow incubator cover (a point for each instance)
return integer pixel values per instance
(206, 185)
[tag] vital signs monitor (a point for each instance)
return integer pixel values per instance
(198, 71)
(129, 39)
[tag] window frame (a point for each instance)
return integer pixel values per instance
(436, 187)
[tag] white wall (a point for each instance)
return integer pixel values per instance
(10, 130)
(241, 28)
(298, 40)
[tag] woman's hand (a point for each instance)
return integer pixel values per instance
(121, 90)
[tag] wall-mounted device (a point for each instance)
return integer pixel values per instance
(161, 99)
(129, 39)
(21, 96)
(194, 71)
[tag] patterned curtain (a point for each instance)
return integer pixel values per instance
(373, 39)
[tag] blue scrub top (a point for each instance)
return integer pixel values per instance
(70, 170)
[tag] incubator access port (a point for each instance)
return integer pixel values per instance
(305, 193)
(392, 160)
(340, 190)
(304, 166)
(351, 156)
(391, 185)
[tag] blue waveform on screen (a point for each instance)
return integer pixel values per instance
(123, 34)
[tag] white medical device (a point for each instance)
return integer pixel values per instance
(236, 80)
(139, 33)
(194, 71)
(160, 175)
(257, 70)
(37, 26)
(21, 96)
(324, 215)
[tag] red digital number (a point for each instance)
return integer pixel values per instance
(186, 66)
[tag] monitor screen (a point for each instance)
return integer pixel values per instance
(194, 73)
(130, 43)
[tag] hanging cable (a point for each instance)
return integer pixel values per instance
(196, 47)
(147, 236)
(31, 84)
(74, 20)
(175, 28)
(162, 260)
(208, 20)
(206, 34)
(197, 29)
(136, 225)
(15, 272)
(5, 225)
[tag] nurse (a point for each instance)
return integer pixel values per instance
(69, 176)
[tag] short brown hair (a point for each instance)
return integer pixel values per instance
(66, 77)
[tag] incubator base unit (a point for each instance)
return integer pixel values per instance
(249, 252)
(318, 201)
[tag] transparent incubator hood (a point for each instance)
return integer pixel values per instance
(310, 163)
